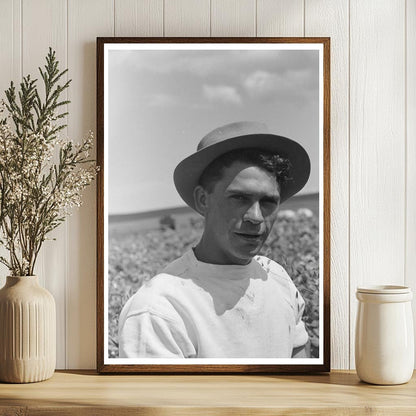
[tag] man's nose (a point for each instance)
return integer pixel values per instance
(254, 214)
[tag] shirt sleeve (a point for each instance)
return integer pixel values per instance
(301, 336)
(296, 300)
(148, 335)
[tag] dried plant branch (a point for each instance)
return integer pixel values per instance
(36, 193)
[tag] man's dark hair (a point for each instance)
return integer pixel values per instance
(269, 161)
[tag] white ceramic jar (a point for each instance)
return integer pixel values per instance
(384, 337)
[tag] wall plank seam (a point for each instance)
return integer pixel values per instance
(21, 39)
(349, 185)
(405, 144)
(67, 230)
(210, 18)
(304, 17)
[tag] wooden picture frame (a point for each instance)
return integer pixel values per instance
(142, 78)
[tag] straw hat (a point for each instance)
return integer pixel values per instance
(241, 135)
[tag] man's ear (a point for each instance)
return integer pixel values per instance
(201, 200)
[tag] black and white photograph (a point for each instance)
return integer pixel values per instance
(212, 246)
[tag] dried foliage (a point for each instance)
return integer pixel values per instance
(41, 175)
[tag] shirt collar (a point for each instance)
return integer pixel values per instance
(222, 271)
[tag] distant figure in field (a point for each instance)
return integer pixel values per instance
(167, 222)
(221, 299)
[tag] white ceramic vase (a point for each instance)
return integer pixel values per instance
(384, 340)
(27, 331)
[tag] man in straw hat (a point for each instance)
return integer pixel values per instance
(221, 299)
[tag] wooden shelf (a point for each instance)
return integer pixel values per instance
(86, 393)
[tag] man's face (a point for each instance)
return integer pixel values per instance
(240, 213)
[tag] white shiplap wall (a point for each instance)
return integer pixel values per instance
(373, 132)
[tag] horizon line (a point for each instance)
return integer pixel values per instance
(154, 212)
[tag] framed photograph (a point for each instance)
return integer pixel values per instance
(213, 195)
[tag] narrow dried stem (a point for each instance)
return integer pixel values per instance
(36, 194)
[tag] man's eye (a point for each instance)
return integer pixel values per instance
(270, 202)
(239, 197)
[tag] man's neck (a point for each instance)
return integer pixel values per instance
(205, 254)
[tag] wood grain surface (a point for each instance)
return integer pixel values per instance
(280, 18)
(84, 392)
(85, 18)
(233, 18)
(138, 18)
(410, 258)
(187, 18)
(377, 148)
(36, 40)
(330, 18)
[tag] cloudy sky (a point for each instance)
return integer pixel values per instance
(162, 102)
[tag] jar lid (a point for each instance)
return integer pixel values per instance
(384, 289)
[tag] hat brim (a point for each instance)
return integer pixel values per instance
(187, 173)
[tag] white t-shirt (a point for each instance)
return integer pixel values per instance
(200, 310)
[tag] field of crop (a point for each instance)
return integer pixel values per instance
(137, 256)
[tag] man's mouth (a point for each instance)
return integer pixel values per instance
(250, 236)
